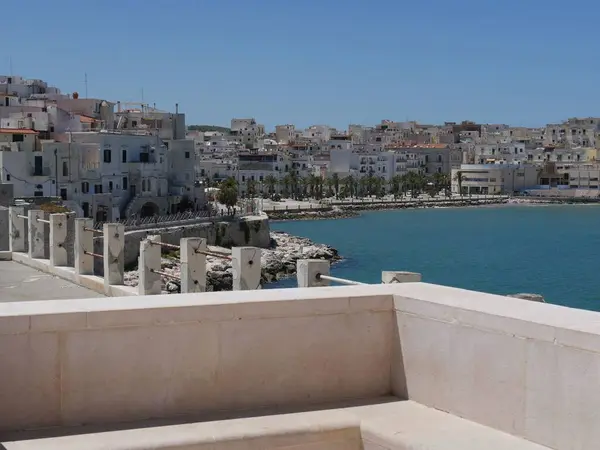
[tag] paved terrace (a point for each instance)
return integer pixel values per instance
(370, 367)
(20, 283)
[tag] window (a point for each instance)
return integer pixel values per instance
(107, 155)
(143, 185)
(125, 183)
(110, 186)
(7, 177)
(124, 156)
(98, 189)
(18, 137)
(38, 194)
(187, 155)
(37, 171)
(63, 193)
(85, 187)
(149, 185)
(65, 169)
(86, 209)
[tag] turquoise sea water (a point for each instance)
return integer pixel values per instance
(549, 250)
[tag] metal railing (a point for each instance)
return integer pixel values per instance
(179, 218)
(337, 280)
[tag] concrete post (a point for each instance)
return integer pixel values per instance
(58, 237)
(391, 276)
(308, 269)
(84, 242)
(114, 253)
(16, 229)
(36, 233)
(193, 265)
(4, 229)
(149, 260)
(245, 263)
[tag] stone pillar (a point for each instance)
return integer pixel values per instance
(391, 276)
(4, 229)
(36, 233)
(308, 269)
(84, 242)
(58, 238)
(245, 263)
(193, 265)
(16, 229)
(149, 260)
(114, 253)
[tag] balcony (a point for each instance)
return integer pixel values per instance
(499, 363)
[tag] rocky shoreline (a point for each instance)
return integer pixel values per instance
(277, 262)
(282, 216)
(353, 209)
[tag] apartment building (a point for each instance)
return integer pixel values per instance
(484, 179)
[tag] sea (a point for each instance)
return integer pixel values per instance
(552, 250)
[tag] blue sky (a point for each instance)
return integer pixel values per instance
(306, 62)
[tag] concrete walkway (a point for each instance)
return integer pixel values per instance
(19, 283)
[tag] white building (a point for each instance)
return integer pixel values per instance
(493, 178)
(246, 131)
(285, 134)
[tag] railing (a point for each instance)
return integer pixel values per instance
(315, 272)
(245, 261)
(191, 216)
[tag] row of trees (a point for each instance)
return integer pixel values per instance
(294, 186)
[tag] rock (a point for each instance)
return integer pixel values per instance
(277, 262)
(530, 297)
(173, 287)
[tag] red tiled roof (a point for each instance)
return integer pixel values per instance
(17, 131)
(86, 119)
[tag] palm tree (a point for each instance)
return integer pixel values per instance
(396, 184)
(350, 185)
(270, 182)
(336, 183)
(459, 178)
(330, 187)
(250, 188)
(286, 185)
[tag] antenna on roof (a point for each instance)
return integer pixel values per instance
(86, 85)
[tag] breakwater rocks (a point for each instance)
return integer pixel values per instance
(347, 210)
(455, 203)
(311, 215)
(277, 262)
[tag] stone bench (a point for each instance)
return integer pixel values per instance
(389, 424)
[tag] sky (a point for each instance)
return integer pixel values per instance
(333, 62)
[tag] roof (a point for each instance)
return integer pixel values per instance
(17, 131)
(86, 119)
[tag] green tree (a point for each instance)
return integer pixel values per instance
(350, 186)
(286, 185)
(396, 185)
(270, 182)
(330, 192)
(228, 193)
(250, 188)
(336, 183)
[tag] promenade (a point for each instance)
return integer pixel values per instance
(20, 283)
